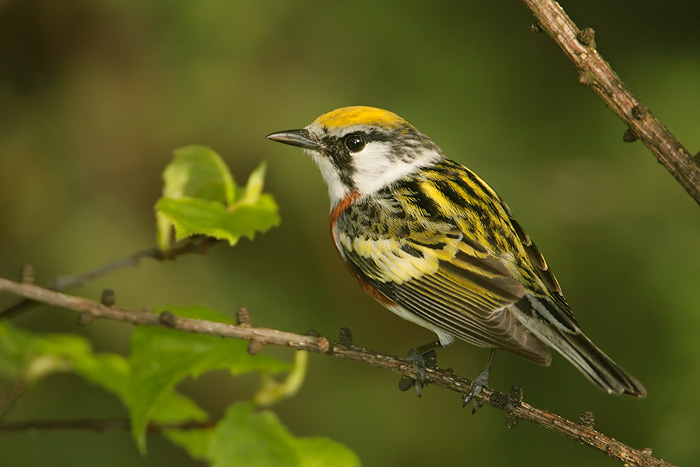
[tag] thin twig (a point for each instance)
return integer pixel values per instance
(101, 425)
(511, 404)
(195, 244)
(11, 394)
(579, 46)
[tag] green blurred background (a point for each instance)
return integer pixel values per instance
(95, 95)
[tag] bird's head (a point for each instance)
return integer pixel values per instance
(362, 149)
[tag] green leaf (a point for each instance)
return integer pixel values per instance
(272, 391)
(161, 358)
(246, 219)
(110, 371)
(113, 373)
(254, 186)
(319, 452)
(164, 229)
(174, 407)
(200, 197)
(37, 356)
(16, 347)
(195, 172)
(192, 216)
(195, 442)
(32, 357)
(257, 438)
(250, 438)
(198, 172)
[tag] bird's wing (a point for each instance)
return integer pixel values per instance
(561, 311)
(449, 281)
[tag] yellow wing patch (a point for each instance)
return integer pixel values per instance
(385, 260)
(400, 260)
(448, 282)
(360, 115)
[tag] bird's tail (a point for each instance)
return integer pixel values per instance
(595, 365)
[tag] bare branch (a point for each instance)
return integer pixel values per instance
(11, 394)
(512, 404)
(195, 244)
(579, 46)
(101, 425)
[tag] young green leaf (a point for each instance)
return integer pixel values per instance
(161, 358)
(257, 438)
(195, 442)
(192, 216)
(254, 186)
(198, 172)
(200, 197)
(251, 438)
(16, 348)
(319, 452)
(37, 356)
(272, 391)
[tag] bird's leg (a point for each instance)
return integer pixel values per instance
(481, 382)
(422, 357)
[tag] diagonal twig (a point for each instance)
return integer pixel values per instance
(512, 403)
(194, 244)
(99, 425)
(579, 47)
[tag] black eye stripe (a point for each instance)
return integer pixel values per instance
(403, 142)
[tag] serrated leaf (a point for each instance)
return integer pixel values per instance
(37, 356)
(174, 407)
(249, 218)
(200, 197)
(198, 172)
(196, 442)
(320, 452)
(250, 438)
(110, 371)
(258, 438)
(161, 358)
(194, 216)
(191, 216)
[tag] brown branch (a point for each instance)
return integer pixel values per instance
(101, 425)
(11, 394)
(512, 404)
(579, 46)
(195, 244)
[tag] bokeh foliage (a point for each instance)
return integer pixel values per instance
(94, 97)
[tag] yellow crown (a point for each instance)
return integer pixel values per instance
(360, 115)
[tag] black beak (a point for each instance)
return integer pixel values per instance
(298, 138)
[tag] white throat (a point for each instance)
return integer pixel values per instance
(337, 190)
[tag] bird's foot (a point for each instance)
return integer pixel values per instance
(478, 385)
(422, 357)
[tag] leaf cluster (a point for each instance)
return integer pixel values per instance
(200, 197)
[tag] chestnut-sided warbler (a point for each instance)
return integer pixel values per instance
(433, 243)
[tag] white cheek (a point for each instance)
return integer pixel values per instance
(336, 189)
(375, 168)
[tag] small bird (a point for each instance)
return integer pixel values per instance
(432, 242)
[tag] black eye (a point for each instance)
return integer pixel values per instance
(354, 142)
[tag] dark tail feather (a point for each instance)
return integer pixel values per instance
(595, 365)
